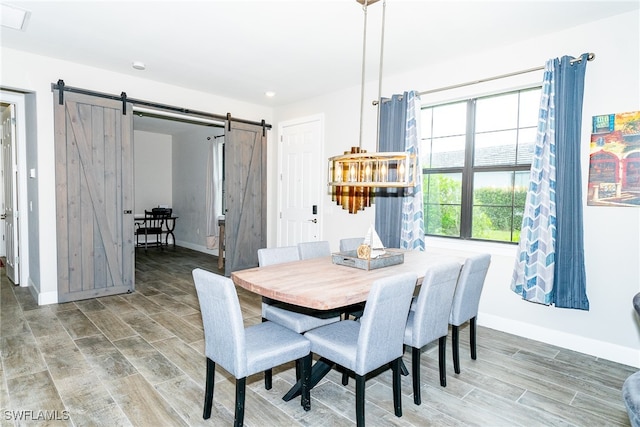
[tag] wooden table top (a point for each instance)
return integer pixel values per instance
(320, 284)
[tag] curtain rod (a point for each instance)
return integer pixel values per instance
(590, 57)
(60, 85)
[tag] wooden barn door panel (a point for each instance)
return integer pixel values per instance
(245, 183)
(94, 197)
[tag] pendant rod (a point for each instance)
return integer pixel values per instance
(364, 54)
(384, 8)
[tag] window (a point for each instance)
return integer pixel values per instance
(476, 156)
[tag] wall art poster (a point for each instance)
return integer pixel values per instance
(614, 160)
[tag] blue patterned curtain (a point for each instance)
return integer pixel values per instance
(549, 267)
(412, 233)
(399, 211)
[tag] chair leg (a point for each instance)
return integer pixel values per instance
(241, 384)
(345, 376)
(397, 392)
(415, 370)
(268, 375)
(305, 399)
(455, 348)
(442, 360)
(208, 393)
(403, 368)
(360, 379)
(472, 344)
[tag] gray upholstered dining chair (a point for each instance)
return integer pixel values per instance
(317, 249)
(430, 319)
(372, 342)
(298, 319)
(243, 351)
(465, 303)
(350, 243)
(631, 386)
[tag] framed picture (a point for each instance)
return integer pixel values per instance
(614, 160)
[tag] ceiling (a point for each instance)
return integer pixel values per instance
(298, 49)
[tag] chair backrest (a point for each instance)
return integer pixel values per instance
(318, 249)
(469, 289)
(154, 219)
(269, 256)
(433, 305)
(163, 212)
(350, 243)
(383, 321)
(222, 320)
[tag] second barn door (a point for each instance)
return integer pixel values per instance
(245, 181)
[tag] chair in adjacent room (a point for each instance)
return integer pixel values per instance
(152, 226)
(243, 351)
(317, 249)
(465, 303)
(631, 386)
(374, 341)
(429, 320)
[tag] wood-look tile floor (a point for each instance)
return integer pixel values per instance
(137, 359)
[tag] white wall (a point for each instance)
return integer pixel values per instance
(190, 152)
(35, 73)
(152, 171)
(610, 328)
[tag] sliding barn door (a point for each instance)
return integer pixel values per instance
(94, 197)
(245, 180)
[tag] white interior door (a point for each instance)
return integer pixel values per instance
(301, 180)
(10, 170)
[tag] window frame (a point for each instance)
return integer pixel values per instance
(468, 170)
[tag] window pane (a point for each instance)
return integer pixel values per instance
(498, 203)
(444, 152)
(484, 228)
(495, 148)
(450, 119)
(442, 204)
(529, 108)
(497, 113)
(426, 115)
(526, 144)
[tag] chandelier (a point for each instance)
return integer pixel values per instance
(355, 174)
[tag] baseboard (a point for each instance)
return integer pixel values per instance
(43, 298)
(615, 353)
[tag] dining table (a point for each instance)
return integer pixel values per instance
(321, 284)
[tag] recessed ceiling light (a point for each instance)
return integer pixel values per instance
(269, 94)
(138, 65)
(14, 17)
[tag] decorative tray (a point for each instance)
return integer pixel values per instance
(350, 259)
